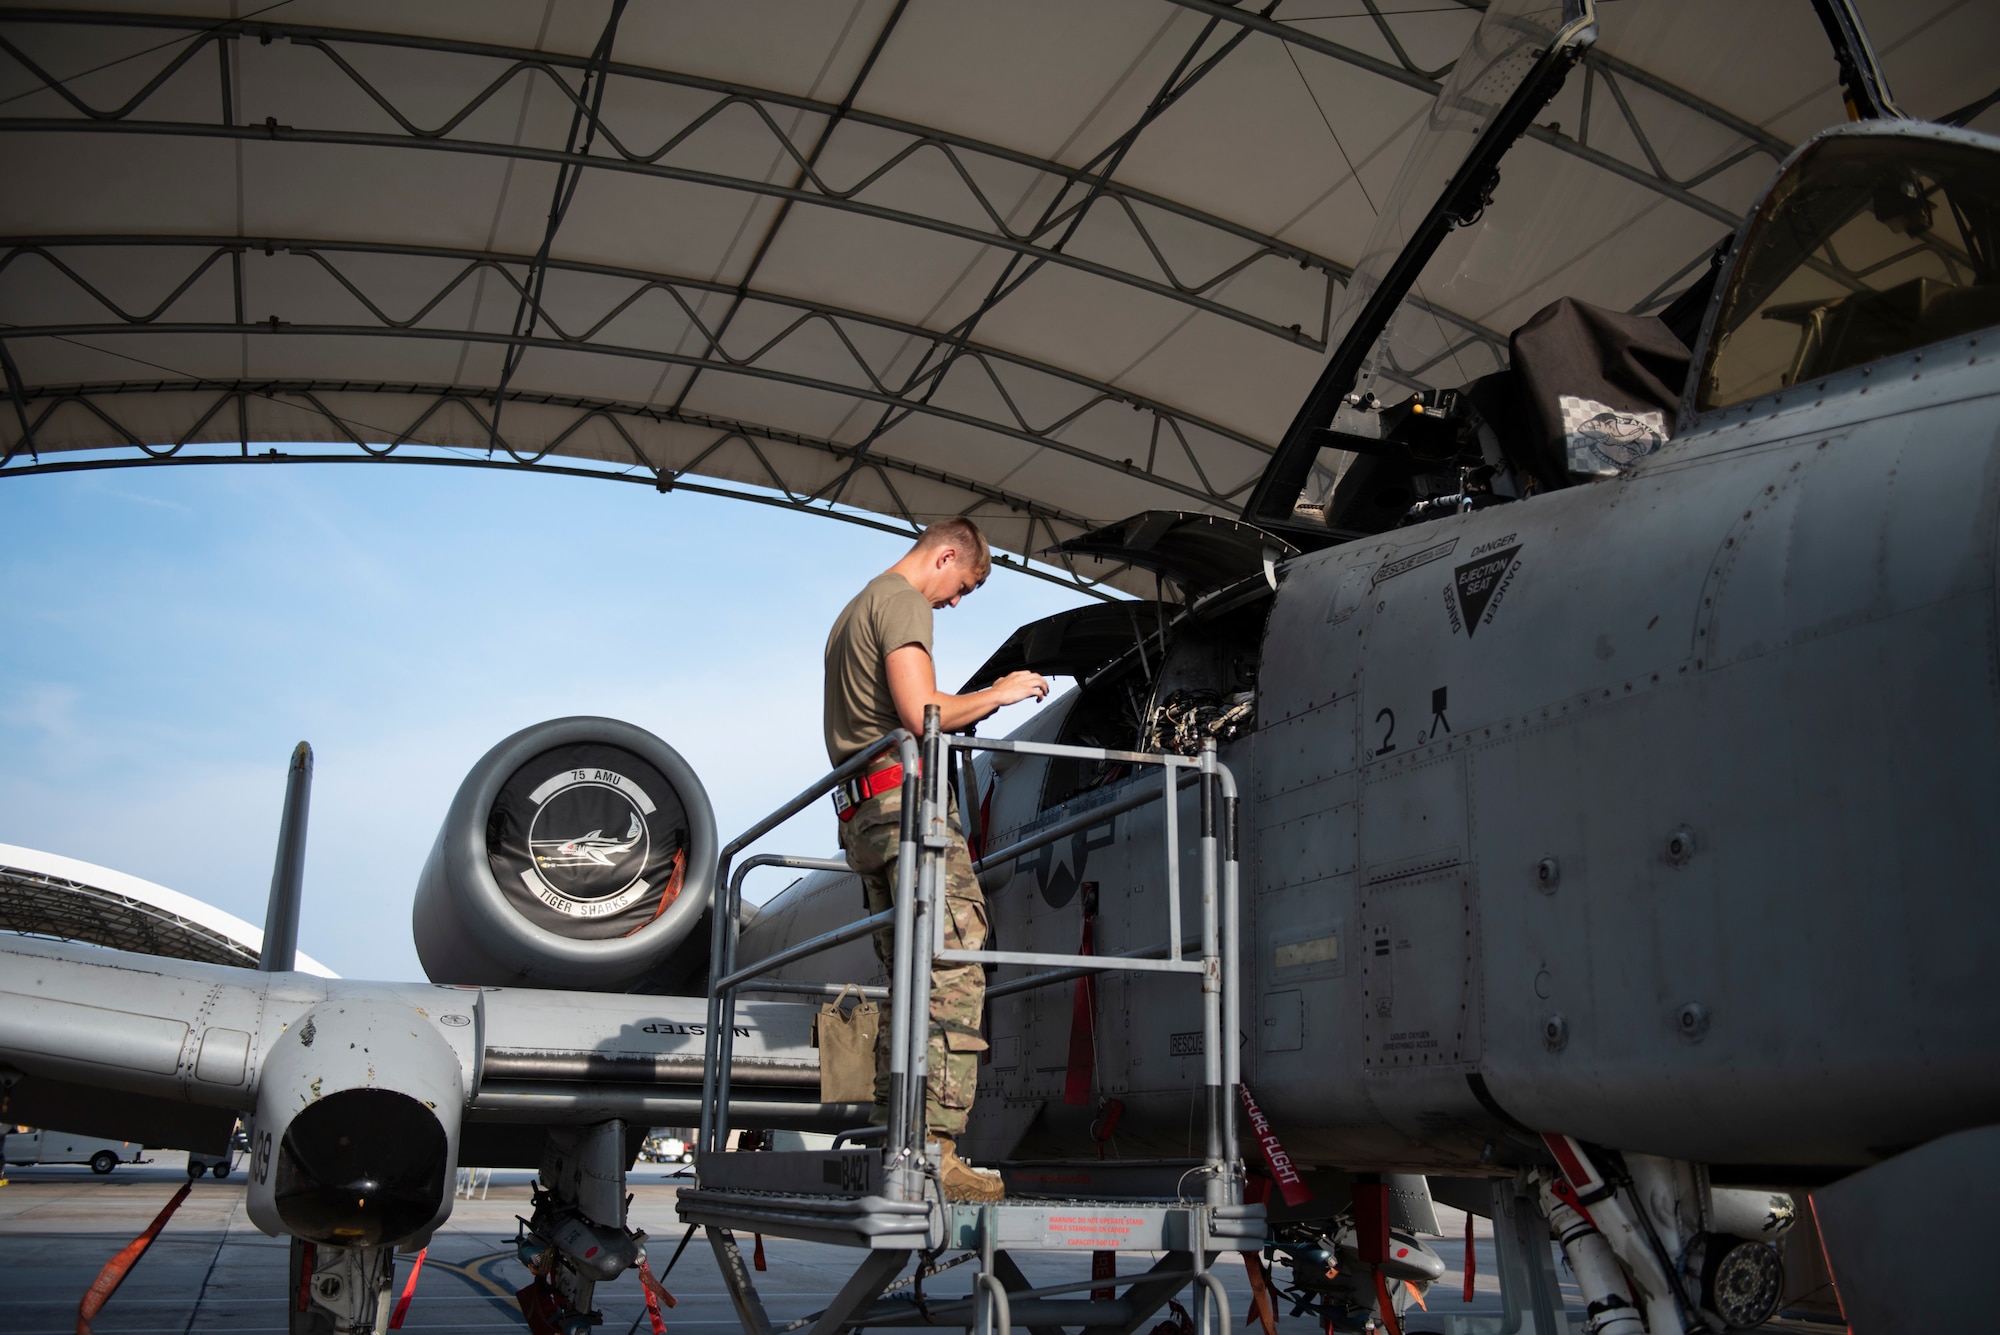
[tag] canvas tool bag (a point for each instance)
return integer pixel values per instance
(846, 1043)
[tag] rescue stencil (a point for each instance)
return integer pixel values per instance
(1422, 557)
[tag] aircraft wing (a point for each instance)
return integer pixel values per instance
(169, 1052)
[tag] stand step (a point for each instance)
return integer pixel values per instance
(874, 1222)
(842, 1197)
(1105, 1179)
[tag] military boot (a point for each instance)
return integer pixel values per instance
(963, 1182)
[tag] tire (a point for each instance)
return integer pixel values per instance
(103, 1162)
(221, 1170)
(194, 1171)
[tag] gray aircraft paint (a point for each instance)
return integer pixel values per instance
(202, 1033)
(1651, 811)
(1777, 634)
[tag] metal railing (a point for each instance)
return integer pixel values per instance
(1217, 963)
(919, 914)
(727, 925)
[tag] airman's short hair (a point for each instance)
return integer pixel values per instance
(963, 534)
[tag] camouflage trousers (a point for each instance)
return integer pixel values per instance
(958, 991)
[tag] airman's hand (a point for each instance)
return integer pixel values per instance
(1018, 686)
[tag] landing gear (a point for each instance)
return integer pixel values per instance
(577, 1237)
(340, 1290)
(1650, 1235)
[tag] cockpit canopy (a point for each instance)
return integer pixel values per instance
(1870, 244)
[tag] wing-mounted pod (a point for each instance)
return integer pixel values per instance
(578, 853)
(355, 1141)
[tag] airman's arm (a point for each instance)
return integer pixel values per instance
(913, 684)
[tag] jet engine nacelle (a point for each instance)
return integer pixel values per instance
(578, 853)
(337, 1155)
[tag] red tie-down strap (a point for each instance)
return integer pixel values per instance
(409, 1292)
(1388, 1308)
(1106, 1125)
(656, 1298)
(538, 1307)
(1471, 1261)
(119, 1266)
(1260, 1294)
(1291, 1185)
(1104, 1265)
(669, 892)
(1082, 1071)
(1371, 1221)
(308, 1256)
(985, 821)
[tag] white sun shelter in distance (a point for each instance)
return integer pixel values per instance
(48, 895)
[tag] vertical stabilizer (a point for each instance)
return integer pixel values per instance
(281, 916)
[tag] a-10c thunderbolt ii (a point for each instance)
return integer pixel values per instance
(1615, 775)
(1617, 736)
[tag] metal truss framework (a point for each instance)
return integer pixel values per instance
(965, 156)
(1007, 374)
(39, 904)
(962, 153)
(208, 399)
(1599, 67)
(969, 160)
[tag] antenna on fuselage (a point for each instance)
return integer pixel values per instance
(280, 950)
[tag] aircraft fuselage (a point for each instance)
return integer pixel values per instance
(1652, 811)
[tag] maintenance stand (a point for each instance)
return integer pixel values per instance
(887, 1201)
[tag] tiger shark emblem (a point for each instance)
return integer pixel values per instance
(593, 849)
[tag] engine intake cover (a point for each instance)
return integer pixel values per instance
(578, 853)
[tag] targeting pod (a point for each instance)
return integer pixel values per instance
(578, 853)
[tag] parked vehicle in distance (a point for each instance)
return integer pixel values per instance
(666, 1149)
(219, 1164)
(30, 1147)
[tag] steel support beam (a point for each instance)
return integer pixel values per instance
(955, 147)
(816, 190)
(810, 187)
(506, 264)
(924, 134)
(1604, 64)
(986, 501)
(1209, 496)
(1186, 295)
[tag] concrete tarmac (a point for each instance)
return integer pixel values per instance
(211, 1270)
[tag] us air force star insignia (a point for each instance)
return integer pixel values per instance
(589, 842)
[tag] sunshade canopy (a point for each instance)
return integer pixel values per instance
(48, 895)
(1051, 265)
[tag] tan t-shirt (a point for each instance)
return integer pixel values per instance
(883, 617)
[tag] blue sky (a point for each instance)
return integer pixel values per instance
(168, 634)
